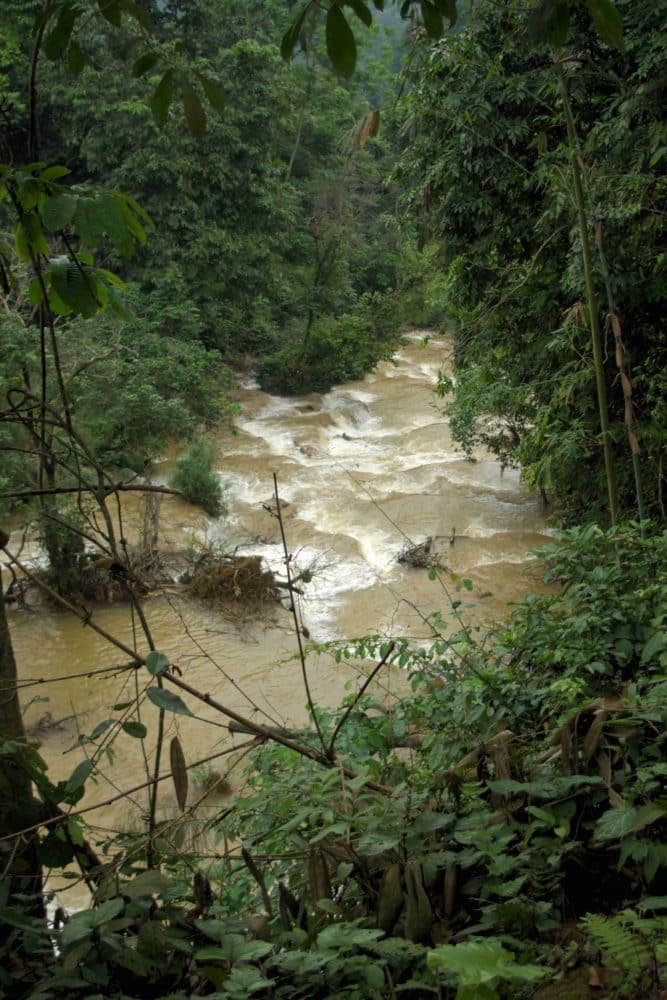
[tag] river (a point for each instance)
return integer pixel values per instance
(361, 470)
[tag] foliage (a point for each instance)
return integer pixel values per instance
(336, 350)
(196, 478)
(630, 942)
(486, 168)
(532, 794)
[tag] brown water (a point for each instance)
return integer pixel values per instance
(361, 469)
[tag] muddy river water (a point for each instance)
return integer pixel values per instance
(362, 470)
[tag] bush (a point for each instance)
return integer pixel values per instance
(197, 480)
(337, 350)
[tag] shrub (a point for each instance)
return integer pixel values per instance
(337, 350)
(197, 480)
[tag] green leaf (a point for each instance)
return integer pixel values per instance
(448, 9)
(156, 663)
(614, 824)
(550, 21)
(479, 962)
(347, 936)
(341, 46)
(194, 113)
(608, 21)
(162, 97)
(107, 911)
(135, 729)
(234, 948)
(78, 776)
(361, 10)
(58, 211)
(432, 20)
(110, 10)
(139, 13)
(101, 728)
(57, 40)
(76, 60)
(213, 91)
(378, 843)
(70, 285)
(168, 701)
(148, 883)
(655, 645)
(145, 63)
(291, 36)
(54, 172)
(29, 238)
(35, 294)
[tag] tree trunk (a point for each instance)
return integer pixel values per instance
(19, 860)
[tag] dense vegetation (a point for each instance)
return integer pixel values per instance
(500, 832)
(488, 174)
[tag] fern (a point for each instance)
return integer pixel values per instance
(626, 941)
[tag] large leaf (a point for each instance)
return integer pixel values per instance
(110, 10)
(608, 21)
(144, 63)
(148, 883)
(234, 948)
(341, 46)
(72, 286)
(550, 21)
(213, 91)
(614, 824)
(477, 962)
(194, 112)
(168, 701)
(162, 97)
(76, 59)
(58, 211)
(362, 11)
(432, 19)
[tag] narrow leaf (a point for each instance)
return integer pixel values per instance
(291, 36)
(179, 772)
(162, 97)
(110, 11)
(341, 46)
(608, 22)
(432, 20)
(194, 113)
(362, 11)
(145, 63)
(76, 60)
(213, 91)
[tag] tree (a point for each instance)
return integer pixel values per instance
(488, 176)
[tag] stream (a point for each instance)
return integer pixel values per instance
(361, 470)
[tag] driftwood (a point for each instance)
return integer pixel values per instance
(420, 555)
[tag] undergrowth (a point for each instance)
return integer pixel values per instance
(518, 849)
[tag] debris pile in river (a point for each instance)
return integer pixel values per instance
(238, 580)
(421, 555)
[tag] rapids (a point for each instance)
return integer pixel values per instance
(361, 470)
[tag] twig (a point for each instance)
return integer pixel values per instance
(297, 625)
(355, 702)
